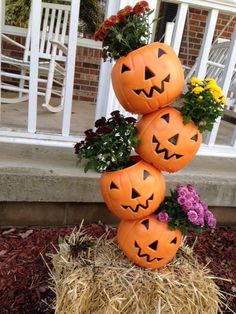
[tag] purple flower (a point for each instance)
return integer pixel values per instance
(89, 134)
(192, 216)
(100, 122)
(163, 217)
(212, 223)
(188, 204)
(182, 192)
(181, 200)
(191, 188)
(204, 205)
(200, 221)
(208, 215)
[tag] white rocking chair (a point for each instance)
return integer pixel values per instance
(52, 59)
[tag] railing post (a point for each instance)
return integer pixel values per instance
(206, 44)
(70, 66)
(179, 27)
(34, 24)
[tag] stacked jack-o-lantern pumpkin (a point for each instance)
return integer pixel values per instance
(147, 81)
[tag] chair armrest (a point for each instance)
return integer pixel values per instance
(59, 45)
(11, 41)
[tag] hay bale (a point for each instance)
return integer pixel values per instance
(93, 276)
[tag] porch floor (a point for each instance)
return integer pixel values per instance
(15, 116)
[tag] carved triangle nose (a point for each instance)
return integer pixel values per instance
(148, 73)
(153, 245)
(174, 139)
(134, 194)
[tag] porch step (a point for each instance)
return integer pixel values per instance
(44, 186)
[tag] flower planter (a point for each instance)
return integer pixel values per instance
(165, 141)
(148, 78)
(148, 242)
(133, 192)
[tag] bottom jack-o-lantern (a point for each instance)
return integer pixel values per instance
(148, 242)
(165, 141)
(133, 192)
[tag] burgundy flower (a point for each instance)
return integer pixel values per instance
(115, 114)
(100, 122)
(78, 146)
(130, 120)
(103, 130)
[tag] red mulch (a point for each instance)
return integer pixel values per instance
(24, 275)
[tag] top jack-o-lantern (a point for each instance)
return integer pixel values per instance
(148, 78)
(165, 141)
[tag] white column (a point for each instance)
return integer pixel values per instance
(34, 24)
(179, 27)
(70, 67)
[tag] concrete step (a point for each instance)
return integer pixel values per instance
(45, 186)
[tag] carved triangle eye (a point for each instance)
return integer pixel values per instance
(124, 68)
(161, 52)
(195, 137)
(146, 223)
(148, 73)
(145, 174)
(174, 241)
(166, 117)
(153, 245)
(113, 186)
(174, 139)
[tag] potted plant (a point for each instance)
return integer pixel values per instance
(146, 77)
(170, 138)
(203, 103)
(131, 187)
(154, 240)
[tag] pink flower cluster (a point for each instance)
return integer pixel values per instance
(197, 210)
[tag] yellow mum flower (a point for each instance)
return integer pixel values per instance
(210, 80)
(223, 100)
(195, 81)
(197, 90)
(216, 95)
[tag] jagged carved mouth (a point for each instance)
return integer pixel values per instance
(139, 205)
(145, 255)
(160, 150)
(154, 88)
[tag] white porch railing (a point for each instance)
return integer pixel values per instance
(106, 100)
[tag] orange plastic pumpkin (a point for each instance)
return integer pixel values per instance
(133, 192)
(148, 78)
(148, 242)
(165, 141)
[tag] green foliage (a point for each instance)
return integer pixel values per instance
(110, 145)
(17, 13)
